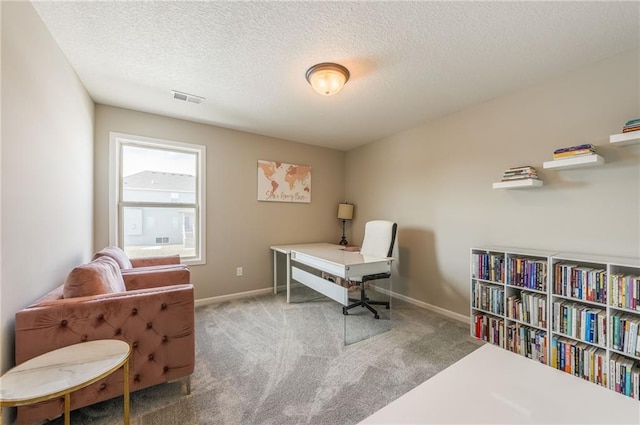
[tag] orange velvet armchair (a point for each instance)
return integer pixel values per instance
(149, 305)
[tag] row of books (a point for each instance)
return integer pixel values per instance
(489, 328)
(580, 321)
(625, 376)
(527, 342)
(579, 359)
(631, 125)
(571, 280)
(625, 291)
(488, 298)
(577, 321)
(519, 173)
(528, 273)
(522, 272)
(624, 333)
(529, 308)
(489, 266)
(572, 151)
(584, 283)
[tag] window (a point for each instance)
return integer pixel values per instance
(156, 195)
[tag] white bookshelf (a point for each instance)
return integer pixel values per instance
(575, 162)
(587, 297)
(623, 139)
(519, 323)
(518, 184)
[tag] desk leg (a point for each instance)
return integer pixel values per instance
(67, 408)
(126, 392)
(0, 415)
(288, 277)
(275, 271)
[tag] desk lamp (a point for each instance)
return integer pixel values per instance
(345, 212)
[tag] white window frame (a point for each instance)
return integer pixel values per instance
(116, 141)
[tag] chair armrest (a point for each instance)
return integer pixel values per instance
(155, 261)
(156, 276)
(147, 319)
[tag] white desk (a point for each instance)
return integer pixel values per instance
(493, 386)
(286, 250)
(329, 258)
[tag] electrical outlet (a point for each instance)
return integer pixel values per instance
(238, 271)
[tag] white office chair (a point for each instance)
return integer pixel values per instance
(379, 237)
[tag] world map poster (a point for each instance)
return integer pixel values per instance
(280, 182)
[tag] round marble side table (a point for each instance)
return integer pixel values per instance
(63, 371)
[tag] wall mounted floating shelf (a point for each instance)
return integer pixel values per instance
(575, 162)
(518, 184)
(623, 139)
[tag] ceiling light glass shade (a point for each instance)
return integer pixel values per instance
(327, 78)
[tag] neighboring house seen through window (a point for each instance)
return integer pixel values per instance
(157, 197)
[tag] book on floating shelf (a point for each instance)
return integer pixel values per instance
(631, 125)
(518, 177)
(573, 148)
(519, 173)
(572, 151)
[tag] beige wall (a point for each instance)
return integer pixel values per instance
(47, 166)
(435, 180)
(239, 228)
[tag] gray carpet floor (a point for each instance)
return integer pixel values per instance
(260, 360)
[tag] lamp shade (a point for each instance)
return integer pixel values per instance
(327, 78)
(345, 211)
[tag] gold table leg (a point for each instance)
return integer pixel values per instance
(126, 393)
(67, 407)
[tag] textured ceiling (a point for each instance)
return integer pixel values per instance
(409, 61)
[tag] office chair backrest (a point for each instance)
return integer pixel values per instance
(379, 237)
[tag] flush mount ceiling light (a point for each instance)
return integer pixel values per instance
(327, 78)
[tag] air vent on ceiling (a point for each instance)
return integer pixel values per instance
(186, 97)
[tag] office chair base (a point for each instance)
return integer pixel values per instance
(364, 301)
(367, 304)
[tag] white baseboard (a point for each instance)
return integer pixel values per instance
(456, 316)
(212, 300)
